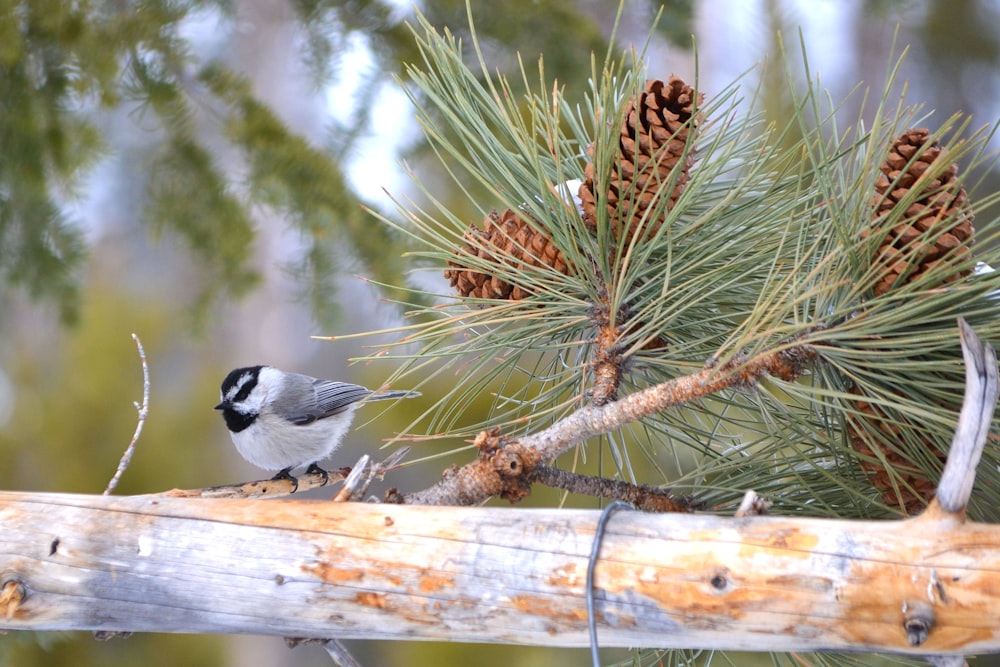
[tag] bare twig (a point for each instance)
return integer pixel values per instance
(642, 496)
(143, 410)
(264, 488)
(752, 505)
(981, 392)
(390, 463)
(365, 472)
(274, 488)
(356, 483)
(341, 656)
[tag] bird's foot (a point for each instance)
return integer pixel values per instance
(286, 473)
(314, 469)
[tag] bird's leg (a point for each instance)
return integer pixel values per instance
(314, 469)
(286, 473)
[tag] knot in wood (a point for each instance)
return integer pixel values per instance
(12, 594)
(393, 496)
(918, 619)
(719, 581)
(790, 363)
(508, 463)
(512, 464)
(515, 489)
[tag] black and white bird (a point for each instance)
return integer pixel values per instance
(280, 421)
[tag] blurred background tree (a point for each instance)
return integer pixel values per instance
(195, 172)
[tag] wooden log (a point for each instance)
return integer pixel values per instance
(928, 585)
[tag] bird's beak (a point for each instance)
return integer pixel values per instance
(222, 406)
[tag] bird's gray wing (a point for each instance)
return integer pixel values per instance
(335, 397)
(305, 399)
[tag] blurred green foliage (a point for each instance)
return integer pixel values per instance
(65, 66)
(151, 650)
(71, 428)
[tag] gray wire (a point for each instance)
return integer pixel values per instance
(595, 550)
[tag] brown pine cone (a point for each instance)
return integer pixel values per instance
(653, 145)
(507, 239)
(934, 229)
(913, 489)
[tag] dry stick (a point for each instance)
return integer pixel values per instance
(642, 496)
(263, 488)
(505, 464)
(356, 483)
(143, 413)
(981, 393)
(752, 505)
(274, 488)
(982, 388)
(341, 656)
(365, 472)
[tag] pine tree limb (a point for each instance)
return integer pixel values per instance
(505, 465)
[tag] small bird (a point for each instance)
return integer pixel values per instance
(280, 421)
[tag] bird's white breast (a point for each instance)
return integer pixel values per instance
(272, 443)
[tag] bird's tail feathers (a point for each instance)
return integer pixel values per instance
(381, 396)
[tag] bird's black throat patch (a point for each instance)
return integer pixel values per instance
(237, 421)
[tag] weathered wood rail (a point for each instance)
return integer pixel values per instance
(928, 585)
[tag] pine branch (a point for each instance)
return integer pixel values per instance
(796, 252)
(506, 466)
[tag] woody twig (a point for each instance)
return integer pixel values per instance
(506, 466)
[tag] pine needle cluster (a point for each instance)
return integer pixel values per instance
(64, 67)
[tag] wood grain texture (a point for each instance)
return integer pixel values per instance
(344, 570)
